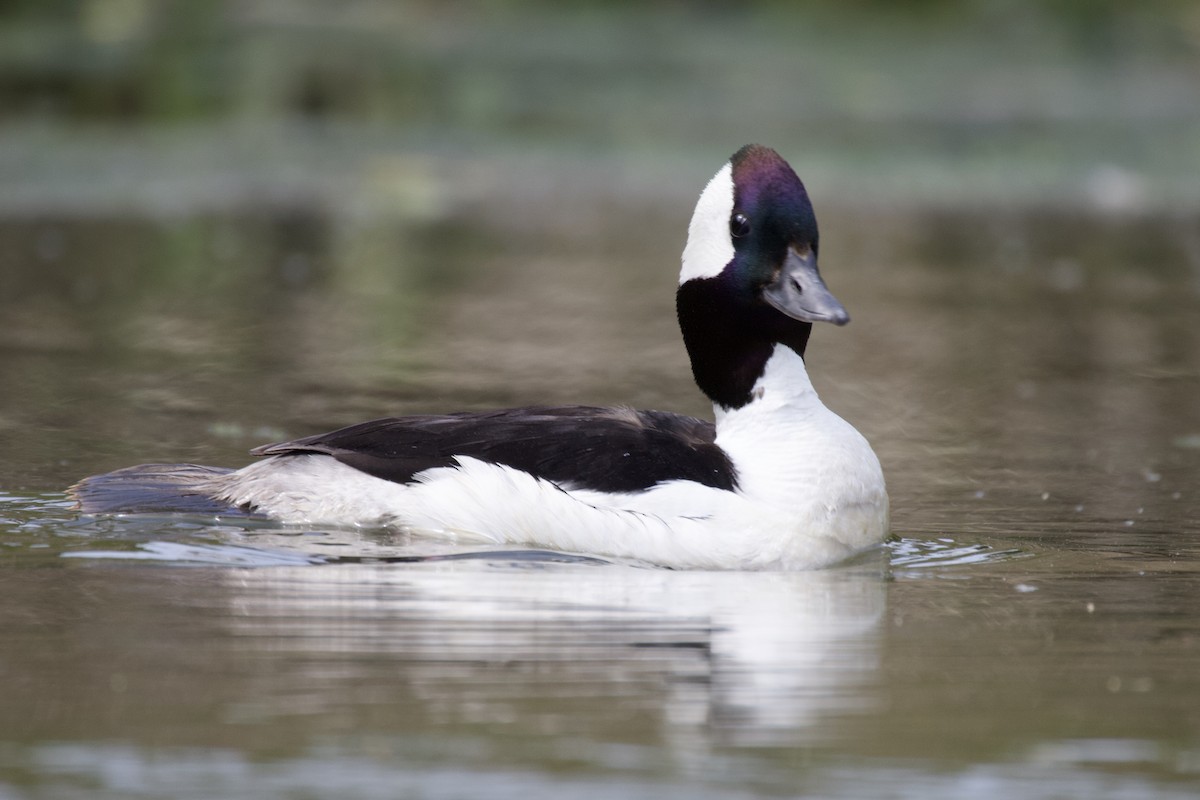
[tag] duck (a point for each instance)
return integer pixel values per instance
(776, 481)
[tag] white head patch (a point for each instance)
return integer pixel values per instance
(709, 248)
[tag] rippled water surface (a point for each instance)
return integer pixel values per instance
(1032, 629)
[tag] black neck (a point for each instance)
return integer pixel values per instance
(729, 337)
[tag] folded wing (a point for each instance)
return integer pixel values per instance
(576, 447)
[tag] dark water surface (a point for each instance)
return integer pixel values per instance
(1031, 381)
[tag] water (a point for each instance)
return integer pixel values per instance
(1028, 380)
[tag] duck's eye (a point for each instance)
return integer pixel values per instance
(739, 226)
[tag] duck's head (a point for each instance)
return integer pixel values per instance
(749, 280)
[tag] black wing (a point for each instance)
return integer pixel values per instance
(606, 449)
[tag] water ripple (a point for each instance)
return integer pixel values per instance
(911, 553)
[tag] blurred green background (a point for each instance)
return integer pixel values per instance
(173, 105)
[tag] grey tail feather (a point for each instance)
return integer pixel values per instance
(152, 488)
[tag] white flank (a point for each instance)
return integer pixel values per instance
(709, 248)
(810, 494)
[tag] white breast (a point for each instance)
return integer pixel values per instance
(795, 455)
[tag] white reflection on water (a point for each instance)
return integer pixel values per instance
(745, 658)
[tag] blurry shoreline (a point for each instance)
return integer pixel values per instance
(369, 108)
(183, 170)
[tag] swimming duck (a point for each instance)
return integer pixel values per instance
(778, 482)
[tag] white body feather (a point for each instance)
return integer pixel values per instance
(810, 493)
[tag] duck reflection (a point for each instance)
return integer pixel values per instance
(598, 650)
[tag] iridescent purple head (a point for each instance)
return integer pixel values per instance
(749, 279)
(755, 225)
